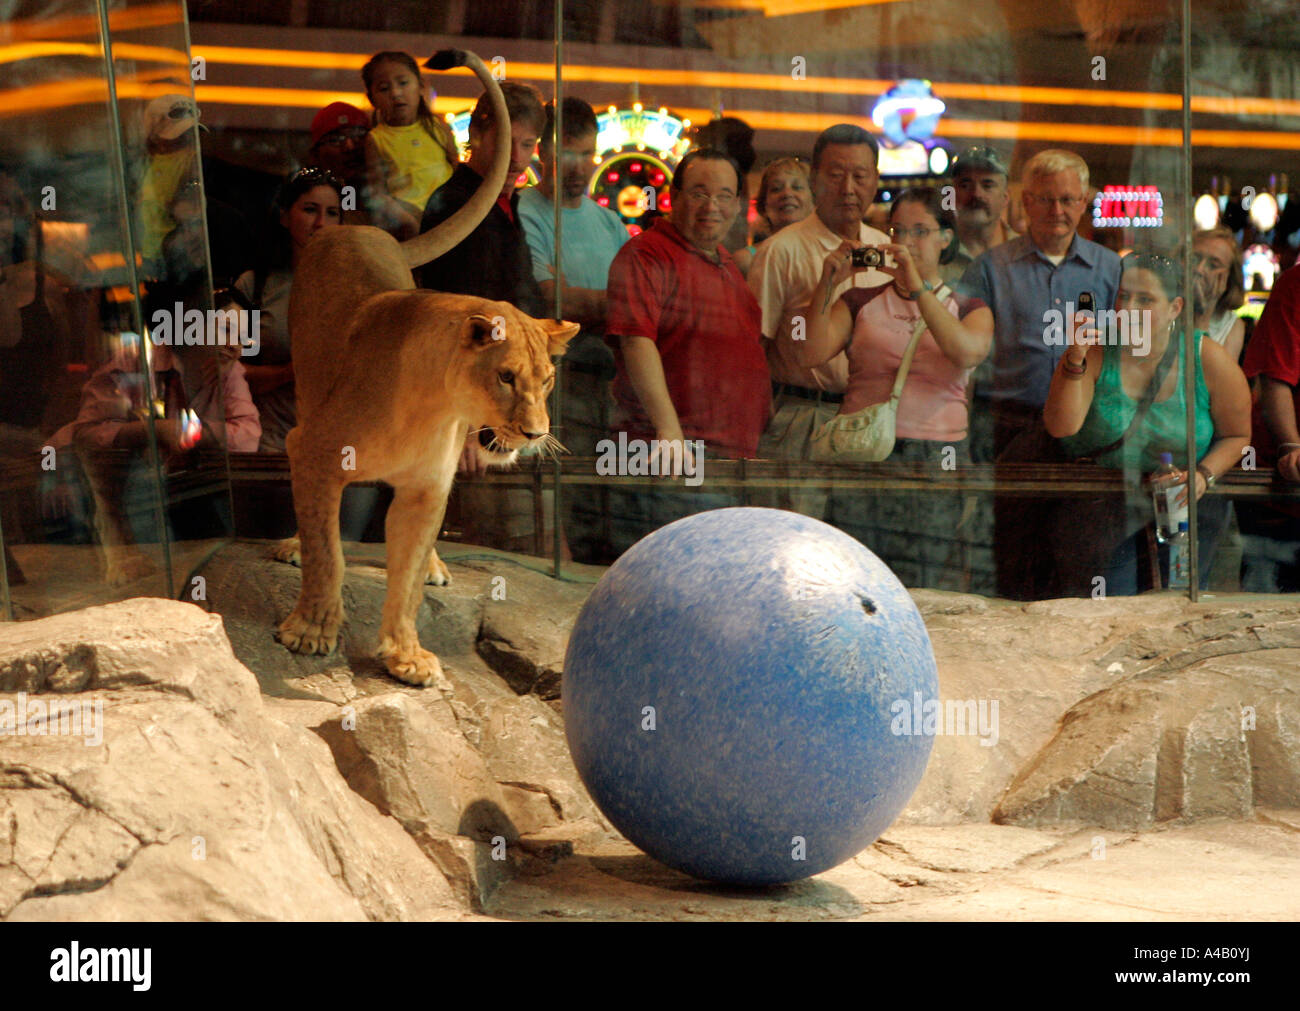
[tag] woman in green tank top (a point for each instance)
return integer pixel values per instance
(1095, 394)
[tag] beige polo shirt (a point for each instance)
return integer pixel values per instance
(784, 273)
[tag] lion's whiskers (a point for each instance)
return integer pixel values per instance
(550, 446)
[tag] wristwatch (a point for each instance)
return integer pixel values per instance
(912, 296)
(1208, 474)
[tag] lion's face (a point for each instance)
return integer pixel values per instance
(511, 375)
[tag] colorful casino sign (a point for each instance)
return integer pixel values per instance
(637, 150)
(1128, 207)
(907, 116)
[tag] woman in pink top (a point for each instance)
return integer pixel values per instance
(915, 533)
(874, 325)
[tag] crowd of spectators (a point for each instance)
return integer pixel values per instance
(703, 335)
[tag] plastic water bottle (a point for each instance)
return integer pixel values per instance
(1180, 562)
(1165, 490)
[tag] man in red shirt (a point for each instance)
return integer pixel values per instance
(1271, 533)
(685, 328)
(686, 331)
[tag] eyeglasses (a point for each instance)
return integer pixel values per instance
(700, 196)
(1168, 270)
(972, 158)
(340, 138)
(916, 232)
(1067, 203)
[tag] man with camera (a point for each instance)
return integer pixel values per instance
(785, 271)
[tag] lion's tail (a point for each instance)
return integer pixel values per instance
(432, 244)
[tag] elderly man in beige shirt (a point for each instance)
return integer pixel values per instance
(784, 273)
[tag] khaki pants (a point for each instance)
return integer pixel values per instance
(788, 437)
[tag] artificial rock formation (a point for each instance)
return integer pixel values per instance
(235, 780)
(195, 803)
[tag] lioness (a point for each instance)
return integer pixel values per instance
(390, 381)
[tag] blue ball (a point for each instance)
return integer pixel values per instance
(728, 689)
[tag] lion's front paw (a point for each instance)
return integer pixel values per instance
(316, 634)
(288, 550)
(438, 574)
(415, 666)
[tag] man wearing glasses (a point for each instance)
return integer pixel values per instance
(684, 326)
(692, 377)
(338, 145)
(1023, 281)
(785, 271)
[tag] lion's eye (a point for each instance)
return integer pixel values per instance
(507, 377)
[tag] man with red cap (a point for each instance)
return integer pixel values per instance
(338, 143)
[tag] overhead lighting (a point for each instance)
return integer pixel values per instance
(1206, 212)
(1263, 212)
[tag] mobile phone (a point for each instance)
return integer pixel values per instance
(1086, 308)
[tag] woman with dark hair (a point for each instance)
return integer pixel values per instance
(875, 325)
(915, 533)
(309, 200)
(1121, 404)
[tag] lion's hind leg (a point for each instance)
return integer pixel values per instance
(313, 625)
(410, 530)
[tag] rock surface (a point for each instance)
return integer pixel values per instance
(194, 803)
(1126, 733)
(1120, 712)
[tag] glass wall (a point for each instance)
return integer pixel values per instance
(1048, 230)
(114, 427)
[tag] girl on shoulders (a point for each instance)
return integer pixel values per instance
(409, 151)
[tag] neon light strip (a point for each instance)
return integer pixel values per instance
(36, 98)
(149, 16)
(781, 82)
(93, 51)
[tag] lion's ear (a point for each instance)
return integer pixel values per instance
(558, 334)
(484, 330)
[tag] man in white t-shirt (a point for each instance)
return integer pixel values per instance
(785, 271)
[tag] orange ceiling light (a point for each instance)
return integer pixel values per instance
(301, 58)
(1015, 93)
(145, 16)
(93, 51)
(780, 8)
